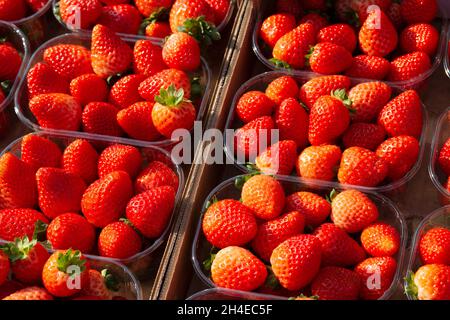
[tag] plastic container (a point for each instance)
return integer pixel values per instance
(389, 213)
(438, 218)
(414, 83)
(447, 55)
(261, 81)
(21, 98)
(138, 263)
(227, 294)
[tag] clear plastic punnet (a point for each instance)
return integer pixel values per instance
(227, 294)
(447, 55)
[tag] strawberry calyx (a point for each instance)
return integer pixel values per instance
(110, 280)
(342, 95)
(213, 200)
(209, 261)
(271, 280)
(303, 297)
(39, 229)
(158, 15)
(203, 31)
(280, 64)
(333, 194)
(6, 86)
(19, 249)
(410, 287)
(241, 180)
(196, 88)
(70, 258)
(171, 97)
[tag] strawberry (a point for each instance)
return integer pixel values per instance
(409, 66)
(156, 174)
(318, 21)
(69, 60)
(11, 10)
(276, 26)
(362, 167)
(340, 34)
(80, 158)
(368, 99)
(158, 29)
(40, 152)
(329, 118)
(56, 111)
(377, 36)
(335, 283)
(17, 183)
(253, 135)
(105, 200)
(84, 12)
(119, 157)
(30, 293)
(43, 79)
(125, 92)
(352, 211)
(402, 115)
(183, 11)
(395, 15)
(89, 88)
(292, 122)
(290, 49)
(229, 223)
(377, 275)
(119, 241)
(296, 261)
(98, 286)
(5, 267)
(362, 8)
(136, 121)
(338, 248)
(9, 287)
(418, 11)
(151, 87)
(315, 208)
(264, 195)
(148, 58)
(293, 7)
(343, 9)
(60, 270)
(110, 55)
(430, 282)
(324, 85)
(279, 158)
(123, 18)
(36, 5)
(444, 157)
(329, 58)
(9, 70)
(434, 246)
(319, 162)
(419, 37)
(282, 88)
(16, 223)
(369, 67)
(220, 9)
(315, 5)
(147, 7)
(172, 111)
(364, 135)
(272, 233)
(254, 104)
(70, 230)
(181, 51)
(380, 240)
(101, 118)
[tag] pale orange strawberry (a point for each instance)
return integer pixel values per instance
(380, 240)
(378, 37)
(282, 88)
(315, 208)
(279, 158)
(319, 162)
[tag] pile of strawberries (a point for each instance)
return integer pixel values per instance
(11, 10)
(327, 128)
(432, 280)
(444, 162)
(125, 197)
(114, 90)
(153, 18)
(327, 249)
(396, 42)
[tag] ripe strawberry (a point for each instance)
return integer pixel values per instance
(296, 261)
(264, 195)
(292, 122)
(352, 211)
(70, 230)
(119, 157)
(362, 8)
(254, 104)
(16, 223)
(156, 174)
(43, 79)
(272, 233)
(9, 287)
(276, 26)
(89, 88)
(119, 241)
(380, 240)
(364, 135)
(98, 286)
(136, 121)
(402, 115)
(110, 55)
(430, 282)
(369, 67)
(80, 158)
(279, 158)
(418, 11)
(293, 7)
(400, 153)
(419, 37)
(69, 60)
(151, 87)
(434, 246)
(148, 58)
(123, 18)
(40, 152)
(147, 7)
(105, 200)
(377, 275)
(101, 118)
(338, 248)
(250, 137)
(220, 9)
(368, 99)
(158, 29)
(9, 70)
(318, 21)
(181, 51)
(5, 267)
(56, 111)
(335, 283)
(315, 208)
(229, 223)
(329, 58)
(409, 66)
(395, 15)
(319, 162)
(30, 293)
(36, 5)
(282, 88)
(377, 36)
(340, 34)
(85, 11)
(125, 92)
(17, 183)
(291, 48)
(344, 10)
(237, 268)
(59, 271)
(11, 10)
(324, 85)
(444, 157)
(183, 10)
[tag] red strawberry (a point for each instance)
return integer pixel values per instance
(119, 241)
(183, 10)
(148, 58)
(409, 66)
(377, 275)
(98, 287)
(276, 26)
(11, 10)
(370, 67)
(380, 240)
(9, 70)
(293, 7)
(434, 246)
(368, 99)
(16, 223)
(80, 158)
(69, 60)
(282, 88)
(417, 11)
(158, 29)
(319, 162)
(220, 9)
(334, 283)
(292, 122)
(315, 208)
(430, 282)
(101, 118)
(70, 230)
(156, 174)
(9, 287)
(395, 15)
(340, 34)
(5, 267)
(119, 157)
(151, 87)
(329, 58)
(181, 51)
(362, 8)
(36, 5)
(419, 37)
(318, 21)
(89, 88)
(364, 135)
(147, 7)
(125, 92)
(254, 104)
(279, 158)
(43, 79)
(85, 12)
(317, 87)
(30, 293)
(444, 157)
(123, 18)
(136, 121)
(251, 136)
(40, 152)
(378, 37)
